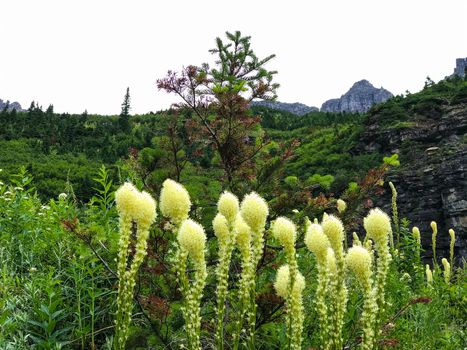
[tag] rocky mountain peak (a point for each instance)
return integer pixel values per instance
(360, 97)
(361, 84)
(11, 105)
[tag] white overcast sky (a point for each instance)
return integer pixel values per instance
(83, 54)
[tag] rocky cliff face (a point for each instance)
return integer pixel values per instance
(461, 66)
(11, 105)
(361, 96)
(295, 108)
(431, 182)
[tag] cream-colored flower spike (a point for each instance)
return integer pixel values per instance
(377, 225)
(175, 201)
(358, 260)
(284, 231)
(416, 234)
(221, 227)
(341, 206)
(135, 205)
(317, 242)
(429, 274)
(334, 229)
(254, 210)
(243, 232)
(281, 285)
(192, 238)
(447, 270)
(228, 206)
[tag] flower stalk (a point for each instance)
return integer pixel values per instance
(378, 227)
(137, 211)
(223, 225)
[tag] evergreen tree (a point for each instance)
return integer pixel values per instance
(50, 110)
(219, 98)
(125, 113)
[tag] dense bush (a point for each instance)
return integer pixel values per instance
(58, 287)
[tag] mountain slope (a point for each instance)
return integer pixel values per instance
(428, 131)
(294, 108)
(361, 96)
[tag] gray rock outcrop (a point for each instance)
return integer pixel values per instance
(11, 105)
(359, 99)
(295, 108)
(461, 66)
(432, 179)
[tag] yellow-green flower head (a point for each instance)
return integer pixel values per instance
(242, 231)
(254, 210)
(452, 234)
(334, 229)
(221, 227)
(416, 233)
(429, 274)
(192, 238)
(377, 225)
(446, 264)
(126, 198)
(281, 285)
(434, 227)
(228, 206)
(358, 260)
(341, 206)
(317, 242)
(393, 188)
(174, 201)
(135, 205)
(299, 283)
(325, 216)
(147, 210)
(284, 231)
(331, 262)
(447, 270)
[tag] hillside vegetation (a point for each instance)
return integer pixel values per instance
(90, 260)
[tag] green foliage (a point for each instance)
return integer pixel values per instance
(392, 160)
(57, 288)
(324, 181)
